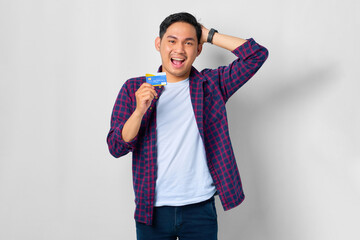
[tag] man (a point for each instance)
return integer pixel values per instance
(178, 134)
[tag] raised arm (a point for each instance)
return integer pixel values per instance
(222, 40)
(144, 95)
(126, 120)
(250, 57)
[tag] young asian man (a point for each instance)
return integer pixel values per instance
(178, 134)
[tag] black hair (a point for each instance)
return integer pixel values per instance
(180, 17)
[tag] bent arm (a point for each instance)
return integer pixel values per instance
(127, 117)
(250, 57)
(131, 127)
(121, 113)
(144, 96)
(222, 40)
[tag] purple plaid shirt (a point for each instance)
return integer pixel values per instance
(209, 91)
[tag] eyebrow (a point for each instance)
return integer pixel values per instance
(186, 39)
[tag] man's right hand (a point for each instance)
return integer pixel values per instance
(144, 96)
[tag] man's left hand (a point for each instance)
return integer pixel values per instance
(204, 34)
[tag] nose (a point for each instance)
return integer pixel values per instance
(179, 48)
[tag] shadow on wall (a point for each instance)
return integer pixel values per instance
(248, 120)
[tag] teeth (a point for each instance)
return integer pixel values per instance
(177, 59)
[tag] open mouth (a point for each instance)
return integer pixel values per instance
(178, 62)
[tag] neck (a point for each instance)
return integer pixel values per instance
(176, 79)
(173, 79)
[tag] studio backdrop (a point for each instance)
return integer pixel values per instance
(294, 126)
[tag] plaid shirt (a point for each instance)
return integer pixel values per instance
(209, 91)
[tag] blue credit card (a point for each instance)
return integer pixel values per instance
(157, 79)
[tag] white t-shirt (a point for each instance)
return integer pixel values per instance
(183, 176)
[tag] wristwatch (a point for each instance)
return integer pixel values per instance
(211, 35)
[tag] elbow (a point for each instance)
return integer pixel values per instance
(117, 152)
(264, 54)
(114, 153)
(116, 149)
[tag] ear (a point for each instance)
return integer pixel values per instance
(200, 45)
(157, 43)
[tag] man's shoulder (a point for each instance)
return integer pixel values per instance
(135, 80)
(198, 75)
(206, 75)
(134, 83)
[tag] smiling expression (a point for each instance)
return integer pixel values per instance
(178, 49)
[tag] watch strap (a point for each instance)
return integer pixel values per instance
(211, 35)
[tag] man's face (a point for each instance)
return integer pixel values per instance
(178, 49)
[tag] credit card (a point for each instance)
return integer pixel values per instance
(156, 79)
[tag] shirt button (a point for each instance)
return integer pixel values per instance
(150, 108)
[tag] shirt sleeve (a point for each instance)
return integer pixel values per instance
(251, 57)
(121, 112)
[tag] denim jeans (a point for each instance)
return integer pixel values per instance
(190, 222)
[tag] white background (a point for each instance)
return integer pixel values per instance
(294, 126)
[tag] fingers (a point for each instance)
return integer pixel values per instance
(204, 34)
(147, 86)
(146, 92)
(144, 96)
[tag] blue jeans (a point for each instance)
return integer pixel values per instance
(190, 222)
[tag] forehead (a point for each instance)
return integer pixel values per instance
(181, 30)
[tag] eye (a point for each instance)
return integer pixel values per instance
(189, 43)
(171, 41)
